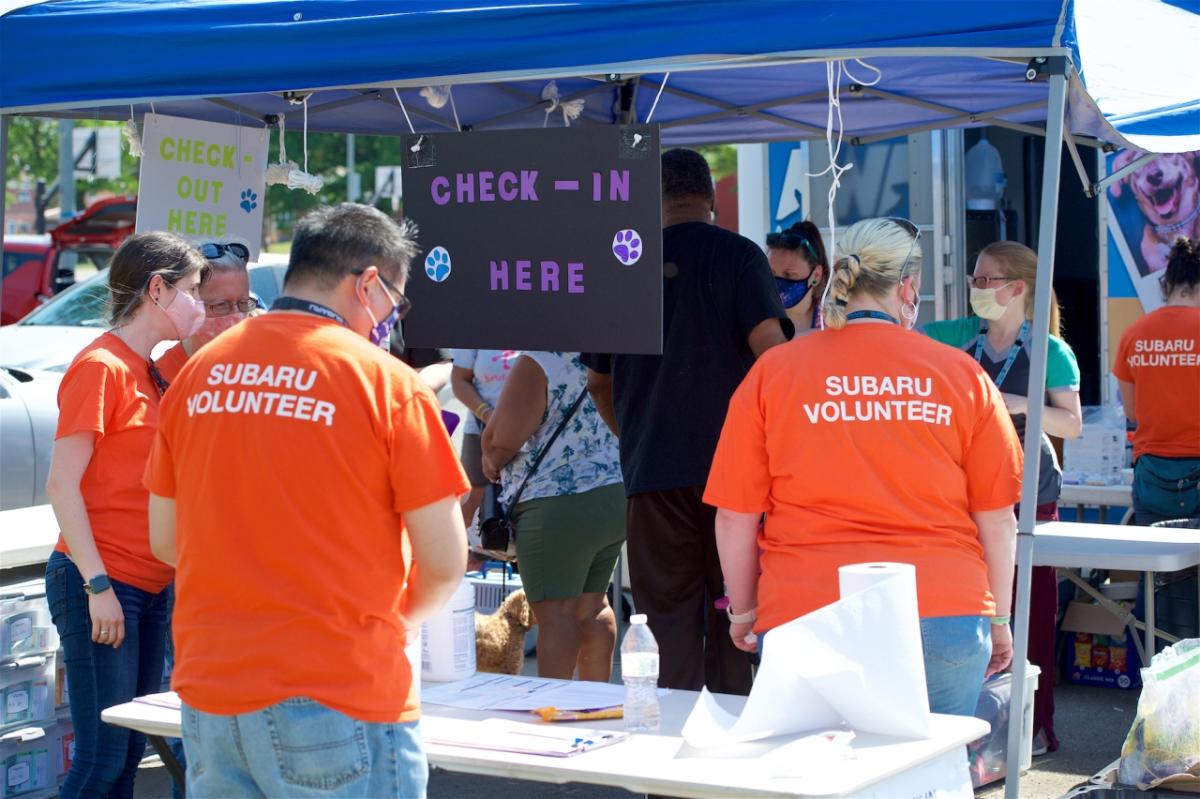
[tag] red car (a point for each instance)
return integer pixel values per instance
(36, 268)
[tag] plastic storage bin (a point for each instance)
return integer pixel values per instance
(63, 736)
(25, 625)
(26, 763)
(988, 755)
(27, 692)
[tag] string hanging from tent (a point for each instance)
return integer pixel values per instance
(407, 119)
(438, 96)
(288, 173)
(834, 132)
(130, 131)
(657, 97)
(571, 110)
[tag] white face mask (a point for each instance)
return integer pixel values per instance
(984, 304)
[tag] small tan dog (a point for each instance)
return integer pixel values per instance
(500, 637)
(1167, 191)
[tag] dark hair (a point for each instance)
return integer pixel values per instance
(138, 260)
(804, 237)
(331, 242)
(685, 173)
(1183, 267)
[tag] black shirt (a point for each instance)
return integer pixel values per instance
(717, 287)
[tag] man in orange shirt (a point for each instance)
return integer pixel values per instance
(1158, 366)
(305, 485)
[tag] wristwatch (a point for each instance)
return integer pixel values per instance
(98, 584)
(741, 618)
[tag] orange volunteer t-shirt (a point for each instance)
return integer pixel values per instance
(107, 390)
(171, 362)
(1160, 355)
(292, 447)
(870, 443)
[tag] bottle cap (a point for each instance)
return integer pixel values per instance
(637, 618)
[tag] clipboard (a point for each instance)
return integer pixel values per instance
(502, 735)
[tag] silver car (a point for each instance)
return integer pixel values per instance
(36, 351)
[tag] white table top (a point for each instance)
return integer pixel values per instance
(1109, 496)
(659, 763)
(1112, 546)
(27, 536)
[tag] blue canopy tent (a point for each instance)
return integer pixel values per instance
(1109, 73)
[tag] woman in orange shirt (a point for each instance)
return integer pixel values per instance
(1158, 368)
(870, 442)
(108, 594)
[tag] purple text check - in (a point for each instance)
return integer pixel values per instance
(467, 188)
(549, 278)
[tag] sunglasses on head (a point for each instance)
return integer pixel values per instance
(789, 240)
(913, 231)
(213, 250)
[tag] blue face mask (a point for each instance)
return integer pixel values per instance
(791, 292)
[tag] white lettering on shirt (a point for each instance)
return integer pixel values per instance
(908, 407)
(248, 396)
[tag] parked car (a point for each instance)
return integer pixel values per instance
(36, 351)
(51, 336)
(28, 415)
(35, 268)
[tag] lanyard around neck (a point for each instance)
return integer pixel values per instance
(880, 315)
(1013, 351)
(307, 306)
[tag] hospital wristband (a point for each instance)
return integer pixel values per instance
(998, 620)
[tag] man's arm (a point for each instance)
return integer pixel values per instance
(439, 544)
(600, 388)
(162, 528)
(765, 335)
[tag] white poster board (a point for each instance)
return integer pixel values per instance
(203, 180)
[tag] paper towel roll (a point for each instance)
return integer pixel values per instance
(861, 576)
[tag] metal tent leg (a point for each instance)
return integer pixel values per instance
(1047, 229)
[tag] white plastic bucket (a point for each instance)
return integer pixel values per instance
(448, 639)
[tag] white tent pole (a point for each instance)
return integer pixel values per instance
(3, 169)
(1047, 228)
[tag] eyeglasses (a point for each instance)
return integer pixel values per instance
(913, 231)
(792, 241)
(214, 250)
(984, 282)
(403, 304)
(226, 307)
(160, 382)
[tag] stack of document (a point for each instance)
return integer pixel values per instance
(514, 736)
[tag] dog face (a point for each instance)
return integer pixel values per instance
(1166, 189)
(516, 609)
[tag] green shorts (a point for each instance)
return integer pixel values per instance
(568, 545)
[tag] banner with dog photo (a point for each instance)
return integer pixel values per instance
(1147, 210)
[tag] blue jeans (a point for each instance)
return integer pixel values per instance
(106, 757)
(301, 749)
(957, 651)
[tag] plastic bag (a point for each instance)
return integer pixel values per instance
(1164, 742)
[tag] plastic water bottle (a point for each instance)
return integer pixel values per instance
(985, 177)
(639, 671)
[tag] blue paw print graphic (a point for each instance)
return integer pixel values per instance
(249, 201)
(437, 264)
(627, 246)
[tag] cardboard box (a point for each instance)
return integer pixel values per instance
(1099, 650)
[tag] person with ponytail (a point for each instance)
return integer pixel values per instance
(998, 335)
(801, 270)
(1158, 368)
(918, 463)
(109, 596)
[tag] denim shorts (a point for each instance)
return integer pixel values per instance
(300, 748)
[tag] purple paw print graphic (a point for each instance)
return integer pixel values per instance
(627, 246)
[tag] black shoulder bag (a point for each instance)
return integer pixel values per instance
(497, 535)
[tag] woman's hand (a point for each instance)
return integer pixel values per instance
(108, 619)
(1015, 404)
(743, 636)
(490, 470)
(1002, 650)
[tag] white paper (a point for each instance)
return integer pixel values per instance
(506, 692)
(857, 662)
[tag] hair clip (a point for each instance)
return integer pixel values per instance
(840, 302)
